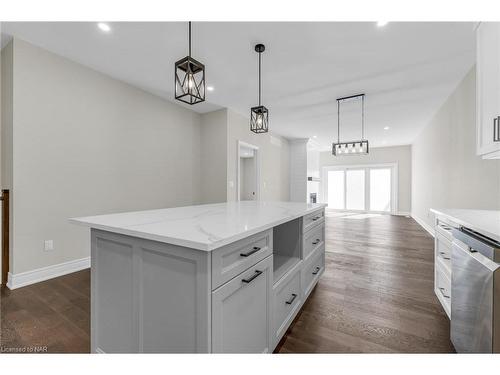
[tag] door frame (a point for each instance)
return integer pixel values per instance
(394, 184)
(257, 168)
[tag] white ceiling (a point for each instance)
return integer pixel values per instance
(406, 70)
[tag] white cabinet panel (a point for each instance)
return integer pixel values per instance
(241, 311)
(229, 261)
(488, 88)
(148, 296)
(287, 302)
(309, 221)
(113, 313)
(313, 239)
(312, 270)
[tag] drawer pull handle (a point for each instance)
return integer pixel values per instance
(290, 301)
(253, 251)
(316, 270)
(252, 278)
(442, 292)
(496, 129)
(443, 255)
(316, 242)
(316, 218)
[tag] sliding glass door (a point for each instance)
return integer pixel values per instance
(336, 197)
(380, 189)
(361, 189)
(355, 189)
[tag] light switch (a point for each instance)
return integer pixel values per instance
(48, 245)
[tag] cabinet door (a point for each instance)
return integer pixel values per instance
(241, 311)
(488, 86)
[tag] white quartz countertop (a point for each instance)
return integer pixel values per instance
(203, 227)
(486, 222)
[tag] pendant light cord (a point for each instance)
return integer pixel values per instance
(189, 39)
(260, 54)
(363, 117)
(338, 121)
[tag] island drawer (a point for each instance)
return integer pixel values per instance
(312, 219)
(231, 260)
(287, 302)
(312, 270)
(443, 288)
(313, 239)
(443, 251)
(443, 229)
(241, 311)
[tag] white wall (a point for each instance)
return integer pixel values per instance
(298, 170)
(6, 124)
(446, 171)
(273, 155)
(380, 155)
(86, 144)
(81, 143)
(214, 157)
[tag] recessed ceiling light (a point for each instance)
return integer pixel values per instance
(104, 27)
(210, 88)
(315, 136)
(386, 128)
(382, 23)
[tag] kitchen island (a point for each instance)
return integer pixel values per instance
(216, 278)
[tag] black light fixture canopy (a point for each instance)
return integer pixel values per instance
(189, 78)
(259, 115)
(360, 147)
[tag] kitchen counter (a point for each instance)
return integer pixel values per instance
(486, 222)
(215, 278)
(203, 227)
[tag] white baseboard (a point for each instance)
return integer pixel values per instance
(19, 280)
(403, 213)
(424, 225)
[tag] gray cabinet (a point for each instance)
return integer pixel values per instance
(241, 311)
(287, 302)
(312, 270)
(148, 296)
(154, 297)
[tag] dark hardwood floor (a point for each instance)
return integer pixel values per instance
(376, 295)
(52, 316)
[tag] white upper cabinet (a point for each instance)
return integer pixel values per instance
(488, 89)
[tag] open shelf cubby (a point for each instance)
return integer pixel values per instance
(286, 247)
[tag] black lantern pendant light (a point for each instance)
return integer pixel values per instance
(189, 78)
(351, 147)
(259, 115)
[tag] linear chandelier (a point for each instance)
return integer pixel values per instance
(259, 115)
(360, 147)
(189, 78)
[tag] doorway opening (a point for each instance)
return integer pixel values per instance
(363, 188)
(248, 172)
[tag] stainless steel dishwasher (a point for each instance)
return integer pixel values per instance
(475, 293)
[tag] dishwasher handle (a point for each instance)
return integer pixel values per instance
(477, 243)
